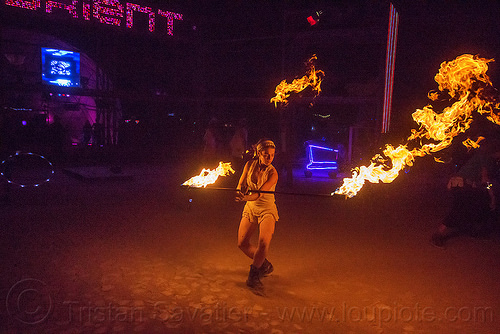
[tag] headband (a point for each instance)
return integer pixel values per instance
(265, 143)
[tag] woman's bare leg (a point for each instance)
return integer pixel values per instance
(266, 231)
(245, 232)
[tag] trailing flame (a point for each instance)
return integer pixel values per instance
(313, 78)
(209, 176)
(470, 144)
(463, 80)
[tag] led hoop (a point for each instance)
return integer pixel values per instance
(27, 154)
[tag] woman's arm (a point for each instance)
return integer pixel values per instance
(242, 184)
(271, 180)
(267, 186)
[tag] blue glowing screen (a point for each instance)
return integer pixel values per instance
(60, 67)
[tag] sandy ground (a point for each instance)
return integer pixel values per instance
(136, 256)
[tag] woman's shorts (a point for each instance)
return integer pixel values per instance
(257, 215)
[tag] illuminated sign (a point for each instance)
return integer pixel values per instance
(321, 157)
(112, 12)
(60, 67)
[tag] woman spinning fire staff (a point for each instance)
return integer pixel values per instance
(260, 211)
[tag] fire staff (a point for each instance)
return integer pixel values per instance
(260, 211)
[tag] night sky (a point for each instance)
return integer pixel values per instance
(433, 32)
(233, 49)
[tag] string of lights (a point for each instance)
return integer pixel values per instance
(18, 154)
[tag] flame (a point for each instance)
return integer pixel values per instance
(438, 160)
(470, 144)
(463, 80)
(312, 78)
(209, 176)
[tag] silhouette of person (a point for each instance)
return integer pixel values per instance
(210, 141)
(58, 134)
(98, 134)
(238, 144)
(87, 133)
(472, 197)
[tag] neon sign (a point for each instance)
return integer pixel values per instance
(111, 12)
(321, 157)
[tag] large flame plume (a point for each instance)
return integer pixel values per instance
(209, 176)
(464, 81)
(312, 78)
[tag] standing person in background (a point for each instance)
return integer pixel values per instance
(260, 212)
(58, 137)
(210, 139)
(238, 144)
(473, 196)
(98, 134)
(87, 133)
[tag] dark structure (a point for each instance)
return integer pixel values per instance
(193, 67)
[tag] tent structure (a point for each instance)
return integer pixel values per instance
(29, 106)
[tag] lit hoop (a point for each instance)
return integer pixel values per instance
(23, 185)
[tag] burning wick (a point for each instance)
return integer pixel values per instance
(465, 81)
(208, 176)
(313, 78)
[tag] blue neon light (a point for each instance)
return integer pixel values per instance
(321, 162)
(60, 67)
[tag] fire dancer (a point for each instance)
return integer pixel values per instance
(260, 211)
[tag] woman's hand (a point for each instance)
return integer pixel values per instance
(246, 196)
(241, 193)
(240, 197)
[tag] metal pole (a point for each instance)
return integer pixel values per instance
(332, 195)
